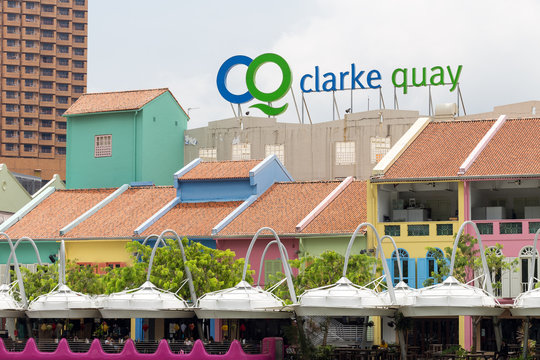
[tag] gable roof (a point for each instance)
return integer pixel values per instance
(113, 101)
(120, 217)
(439, 150)
(343, 214)
(55, 212)
(281, 207)
(221, 170)
(193, 219)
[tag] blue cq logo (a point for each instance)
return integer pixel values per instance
(253, 92)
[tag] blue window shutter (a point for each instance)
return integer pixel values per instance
(412, 272)
(422, 272)
(390, 263)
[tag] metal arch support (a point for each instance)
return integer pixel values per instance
(17, 269)
(482, 254)
(288, 275)
(385, 265)
(397, 255)
(264, 254)
(62, 267)
(184, 259)
(531, 273)
(15, 249)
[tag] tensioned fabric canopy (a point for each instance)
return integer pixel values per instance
(9, 306)
(63, 303)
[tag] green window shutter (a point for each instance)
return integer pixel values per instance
(271, 267)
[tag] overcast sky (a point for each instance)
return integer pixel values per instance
(137, 44)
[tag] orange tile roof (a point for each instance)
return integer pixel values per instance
(221, 170)
(55, 212)
(514, 150)
(439, 150)
(113, 101)
(281, 207)
(120, 217)
(193, 219)
(343, 214)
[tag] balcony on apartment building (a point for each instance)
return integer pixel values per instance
(10, 58)
(46, 151)
(61, 128)
(46, 139)
(28, 137)
(10, 123)
(11, 32)
(506, 209)
(418, 209)
(10, 150)
(28, 150)
(29, 124)
(11, 18)
(10, 136)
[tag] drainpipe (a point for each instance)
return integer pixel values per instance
(135, 144)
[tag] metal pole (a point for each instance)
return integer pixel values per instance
(15, 249)
(17, 269)
(295, 105)
(264, 254)
(397, 255)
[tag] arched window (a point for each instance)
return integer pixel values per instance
(428, 265)
(496, 276)
(404, 258)
(525, 257)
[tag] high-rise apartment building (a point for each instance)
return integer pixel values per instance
(43, 71)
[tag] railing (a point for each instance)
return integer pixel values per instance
(132, 351)
(427, 228)
(508, 226)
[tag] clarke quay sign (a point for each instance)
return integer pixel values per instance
(315, 82)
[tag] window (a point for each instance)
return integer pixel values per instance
(47, 72)
(12, 17)
(46, 97)
(78, 26)
(62, 99)
(102, 145)
(28, 134)
(78, 39)
(78, 13)
(11, 81)
(511, 228)
(10, 147)
(445, 229)
(78, 51)
(78, 64)
(45, 149)
(30, 43)
(11, 42)
(28, 122)
(62, 49)
(10, 134)
(61, 138)
(241, 151)
(10, 121)
(12, 4)
(404, 261)
(62, 61)
(46, 136)
(11, 30)
(47, 33)
(46, 110)
(28, 95)
(11, 108)
(276, 149)
(30, 5)
(47, 46)
(271, 267)
(30, 18)
(418, 230)
(429, 266)
(28, 108)
(77, 76)
(47, 8)
(345, 153)
(79, 2)
(46, 85)
(392, 230)
(47, 21)
(29, 31)
(63, 23)
(11, 95)
(63, 74)
(46, 123)
(47, 59)
(63, 36)
(485, 228)
(61, 125)
(29, 69)
(533, 227)
(78, 89)
(63, 11)
(379, 147)
(12, 56)
(62, 87)
(496, 276)
(525, 256)
(11, 68)
(60, 112)
(28, 82)
(208, 154)
(60, 150)
(28, 147)
(29, 57)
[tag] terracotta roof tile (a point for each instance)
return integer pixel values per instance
(113, 101)
(281, 207)
(344, 214)
(221, 170)
(514, 150)
(120, 217)
(193, 219)
(439, 150)
(55, 212)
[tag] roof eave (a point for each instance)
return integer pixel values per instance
(453, 178)
(102, 112)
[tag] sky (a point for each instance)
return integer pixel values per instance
(139, 44)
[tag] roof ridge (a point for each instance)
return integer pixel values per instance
(309, 182)
(124, 91)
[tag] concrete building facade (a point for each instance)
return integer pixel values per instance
(43, 71)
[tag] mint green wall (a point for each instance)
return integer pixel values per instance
(135, 148)
(25, 252)
(317, 245)
(162, 138)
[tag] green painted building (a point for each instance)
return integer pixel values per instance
(122, 137)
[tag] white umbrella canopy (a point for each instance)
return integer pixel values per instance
(63, 303)
(404, 294)
(147, 301)
(9, 306)
(343, 299)
(452, 298)
(241, 302)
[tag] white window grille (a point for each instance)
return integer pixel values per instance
(102, 145)
(345, 153)
(208, 154)
(241, 151)
(379, 147)
(275, 149)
